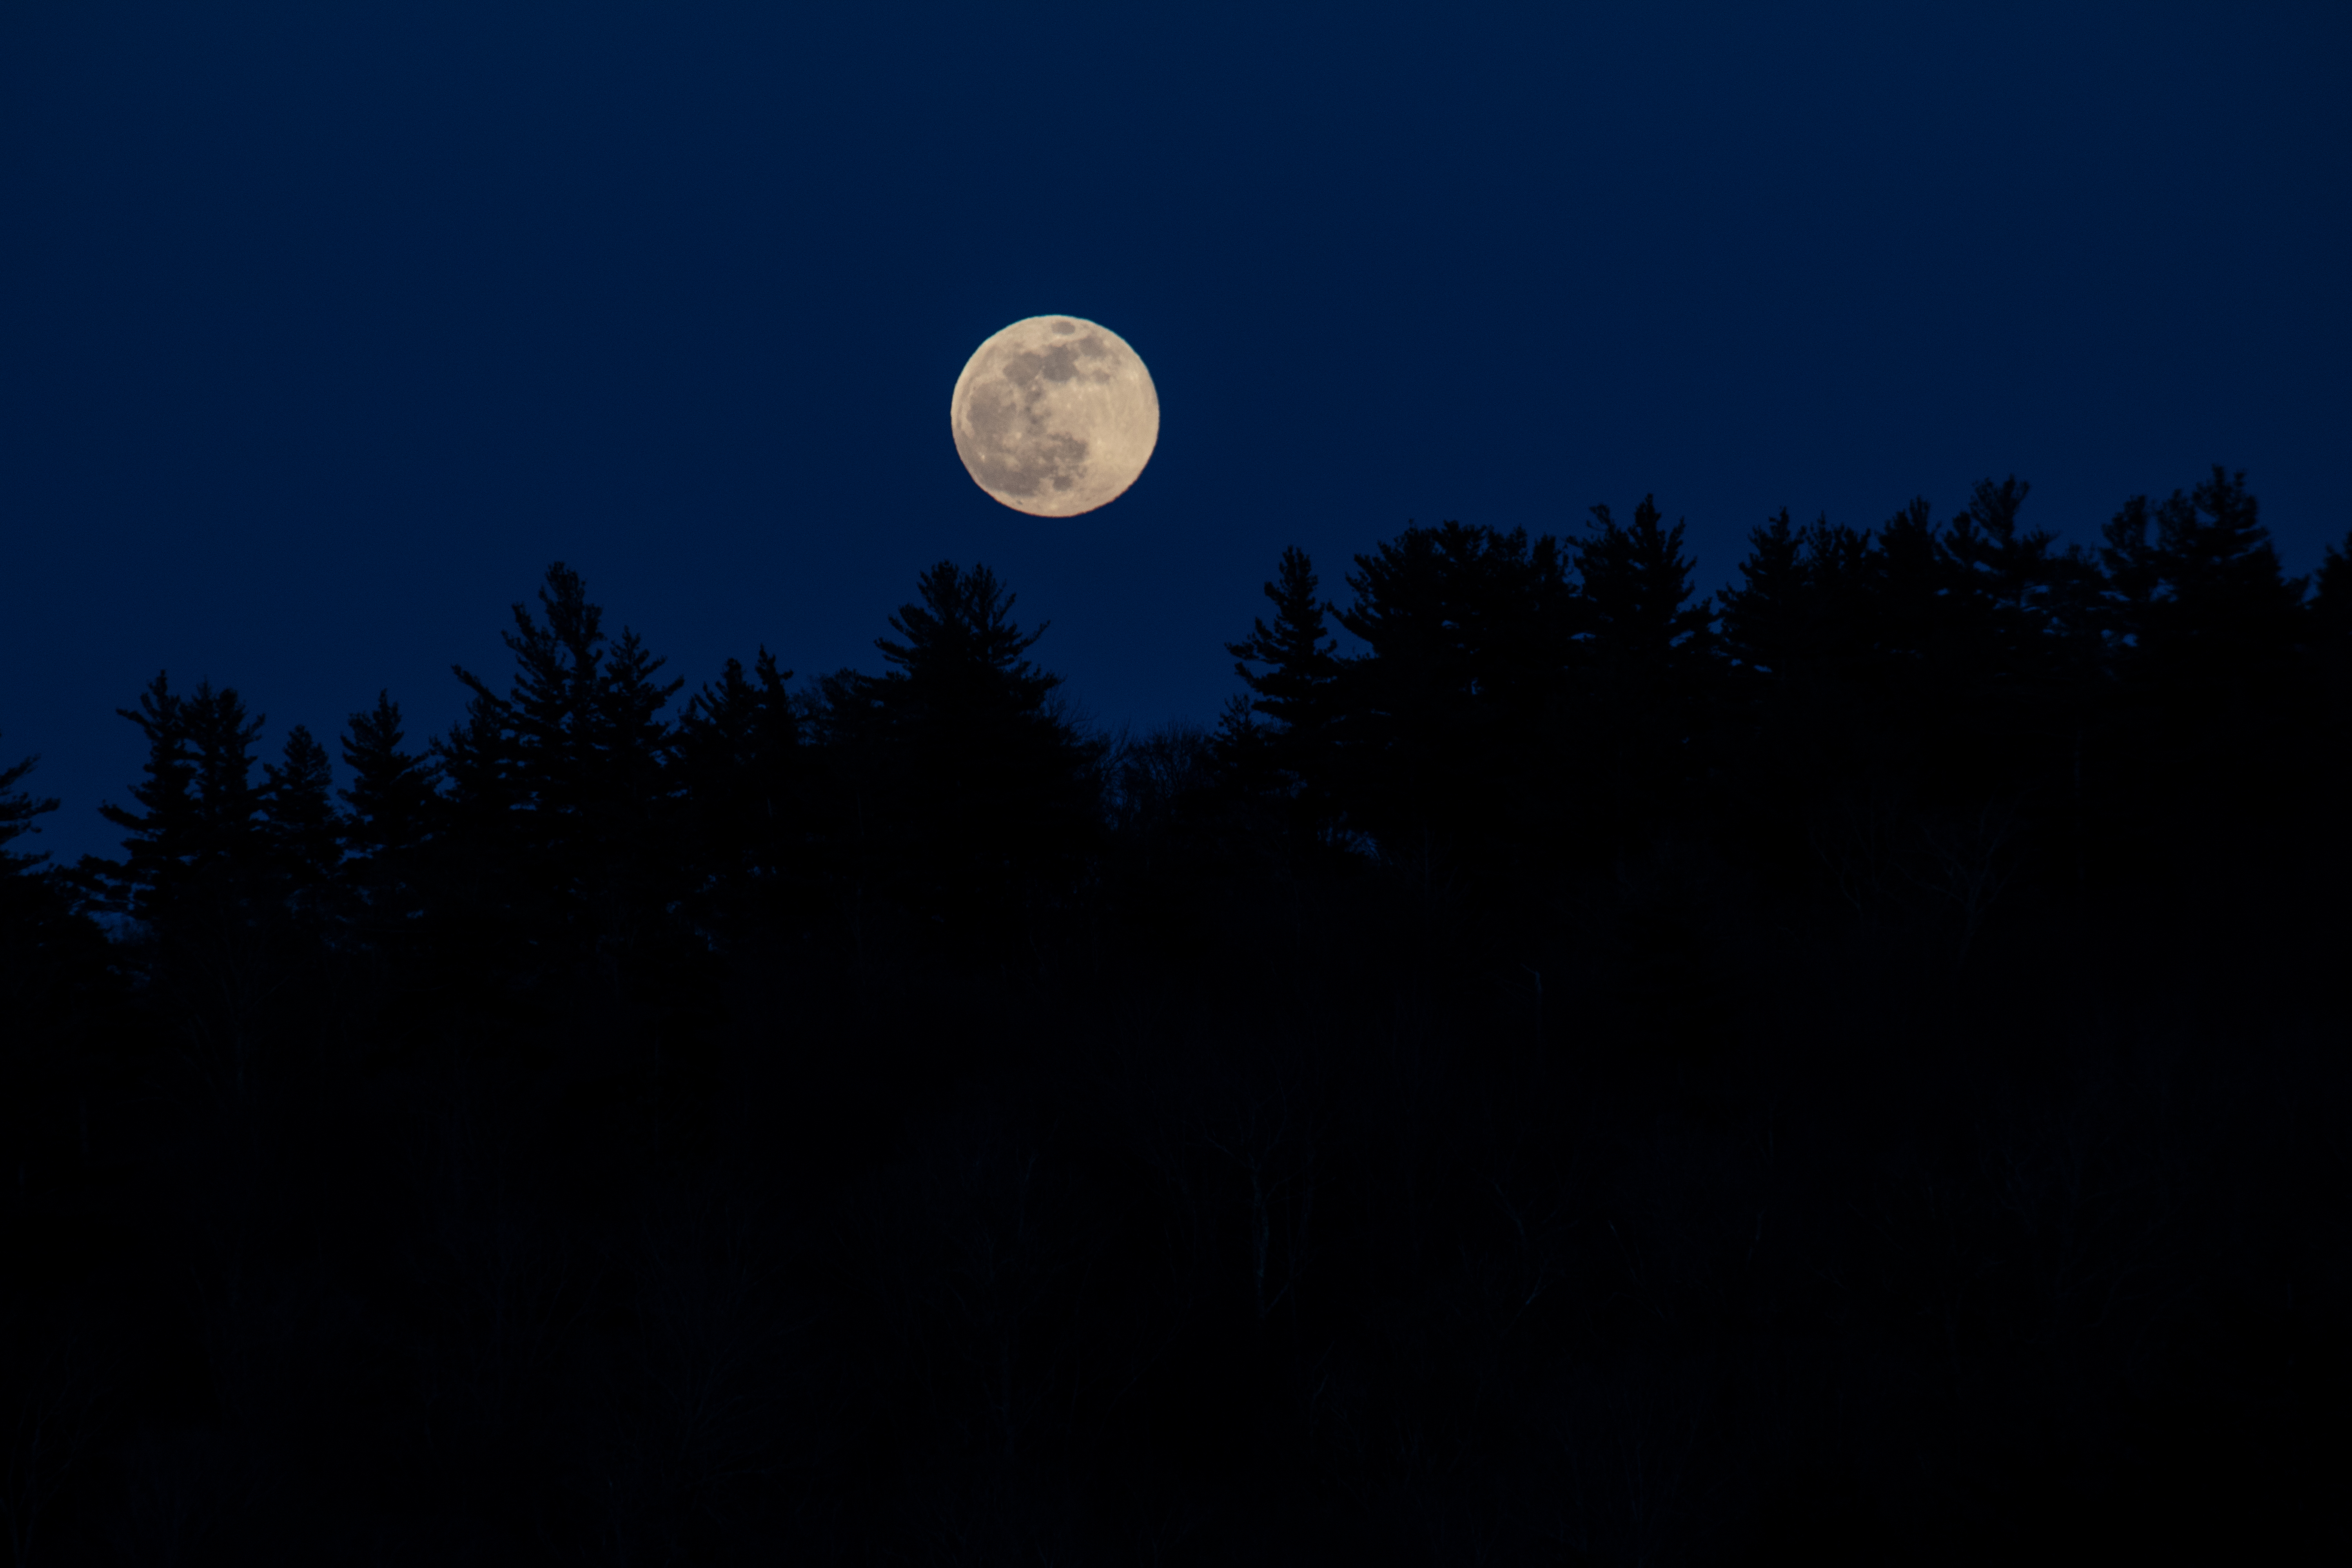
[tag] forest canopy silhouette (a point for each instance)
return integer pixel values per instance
(1546, 1017)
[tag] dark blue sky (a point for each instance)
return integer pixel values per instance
(324, 328)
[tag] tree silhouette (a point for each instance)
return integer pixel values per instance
(2331, 604)
(162, 836)
(629, 814)
(977, 797)
(1452, 727)
(17, 810)
(1051, 1160)
(744, 776)
(2216, 706)
(222, 733)
(2203, 606)
(46, 951)
(2042, 605)
(558, 785)
(1764, 622)
(301, 825)
(478, 906)
(1284, 744)
(391, 797)
(1638, 623)
(1646, 671)
(389, 812)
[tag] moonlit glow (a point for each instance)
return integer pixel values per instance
(1055, 416)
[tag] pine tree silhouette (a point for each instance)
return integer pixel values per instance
(1764, 621)
(17, 810)
(2028, 624)
(1457, 742)
(55, 973)
(390, 806)
(1639, 620)
(231, 855)
(744, 776)
(2216, 702)
(1647, 670)
(980, 799)
(301, 826)
(2203, 606)
(2331, 603)
(162, 837)
(392, 791)
(558, 785)
(1284, 742)
(2037, 596)
(478, 903)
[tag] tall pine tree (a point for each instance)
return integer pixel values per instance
(1764, 619)
(980, 805)
(743, 768)
(2216, 721)
(17, 810)
(556, 789)
(1284, 744)
(54, 965)
(1648, 670)
(386, 823)
(161, 837)
(300, 826)
(1456, 754)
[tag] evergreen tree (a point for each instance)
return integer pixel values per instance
(2331, 603)
(1764, 620)
(2039, 624)
(475, 904)
(742, 770)
(1648, 670)
(45, 948)
(1283, 743)
(1919, 598)
(1456, 745)
(1900, 628)
(476, 817)
(2203, 606)
(1638, 623)
(983, 798)
(391, 797)
(1295, 689)
(1844, 576)
(300, 823)
(162, 836)
(230, 850)
(2029, 620)
(2215, 725)
(17, 810)
(559, 785)
(1794, 634)
(629, 828)
(387, 825)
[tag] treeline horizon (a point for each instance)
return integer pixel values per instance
(1523, 709)
(1841, 1071)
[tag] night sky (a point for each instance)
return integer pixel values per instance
(325, 328)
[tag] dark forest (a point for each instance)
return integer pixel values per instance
(1561, 1071)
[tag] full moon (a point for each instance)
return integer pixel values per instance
(1055, 416)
